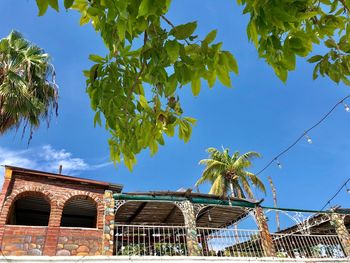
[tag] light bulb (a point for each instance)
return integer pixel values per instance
(278, 164)
(308, 139)
(346, 106)
(348, 190)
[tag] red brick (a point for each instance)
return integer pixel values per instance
(57, 192)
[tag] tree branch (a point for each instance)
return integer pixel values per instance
(345, 6)
(172, 25)
(138, 75)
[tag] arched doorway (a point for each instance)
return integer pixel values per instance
(79, 211)
(30, 209)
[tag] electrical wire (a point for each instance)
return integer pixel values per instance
(335, 195)
(275, 159)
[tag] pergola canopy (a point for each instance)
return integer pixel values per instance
(162, 208)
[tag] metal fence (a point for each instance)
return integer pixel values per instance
(229, 242)
(307, 246)
(150, 240)
(145, 240)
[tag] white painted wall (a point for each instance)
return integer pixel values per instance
(134, 259)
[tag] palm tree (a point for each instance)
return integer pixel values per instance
(228, 173)
(28, 93)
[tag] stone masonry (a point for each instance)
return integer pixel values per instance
(108, 224)
(342, 232)
(189, 214)
(79, 243)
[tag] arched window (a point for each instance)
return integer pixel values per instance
(31, 209)
(79, 211)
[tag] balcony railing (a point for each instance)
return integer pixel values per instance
(307, 246)
(143, 240)
(150, 240)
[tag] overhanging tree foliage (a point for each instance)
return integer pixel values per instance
(135, 86)
(28, 93)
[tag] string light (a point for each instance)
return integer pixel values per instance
(303, 135)
(346, 106)
(335, 195)
(308, 138)
(278, 164)
(347, 189)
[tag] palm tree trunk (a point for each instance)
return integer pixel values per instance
(235, 226)
(274, 194)
(232, 191)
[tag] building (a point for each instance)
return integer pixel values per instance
(46, 214)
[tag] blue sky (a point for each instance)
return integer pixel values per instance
(260, 113)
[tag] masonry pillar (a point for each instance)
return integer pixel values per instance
(266, 239)
(342, 232)
(108, 224)
(188, 212)
(53, 230)
(5, 186)
(3, 195)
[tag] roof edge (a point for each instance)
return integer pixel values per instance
(116, 187)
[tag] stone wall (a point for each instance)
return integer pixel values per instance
(108, 229)
(79, 242)
(23, 240)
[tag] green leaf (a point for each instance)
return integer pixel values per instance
(315, 59)
(149, 7)
(96, 58)
(193, 121)
(153, 147)
(171, 85)
(330, 43)
(346, 81)
(84, 19)
(172, 48)
(232, 63)
(210, 76)
(42, 5)
(129, 162)
(54, 4)
(224, 76)
(210, 37)
(170, 131)
(143, 102)
(121, 29)
(183, 31)
(68, 3)
(196, 86)
(281, 73)
(253, 33)
(97, 119)
(93, 73)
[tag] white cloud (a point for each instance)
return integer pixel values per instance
(47, 159)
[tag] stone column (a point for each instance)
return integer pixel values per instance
(108, 224)
(342, 232)
(189, 214)
(3, 194)
(266, 239)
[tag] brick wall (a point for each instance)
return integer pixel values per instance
(53, 239)
(23, 240)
